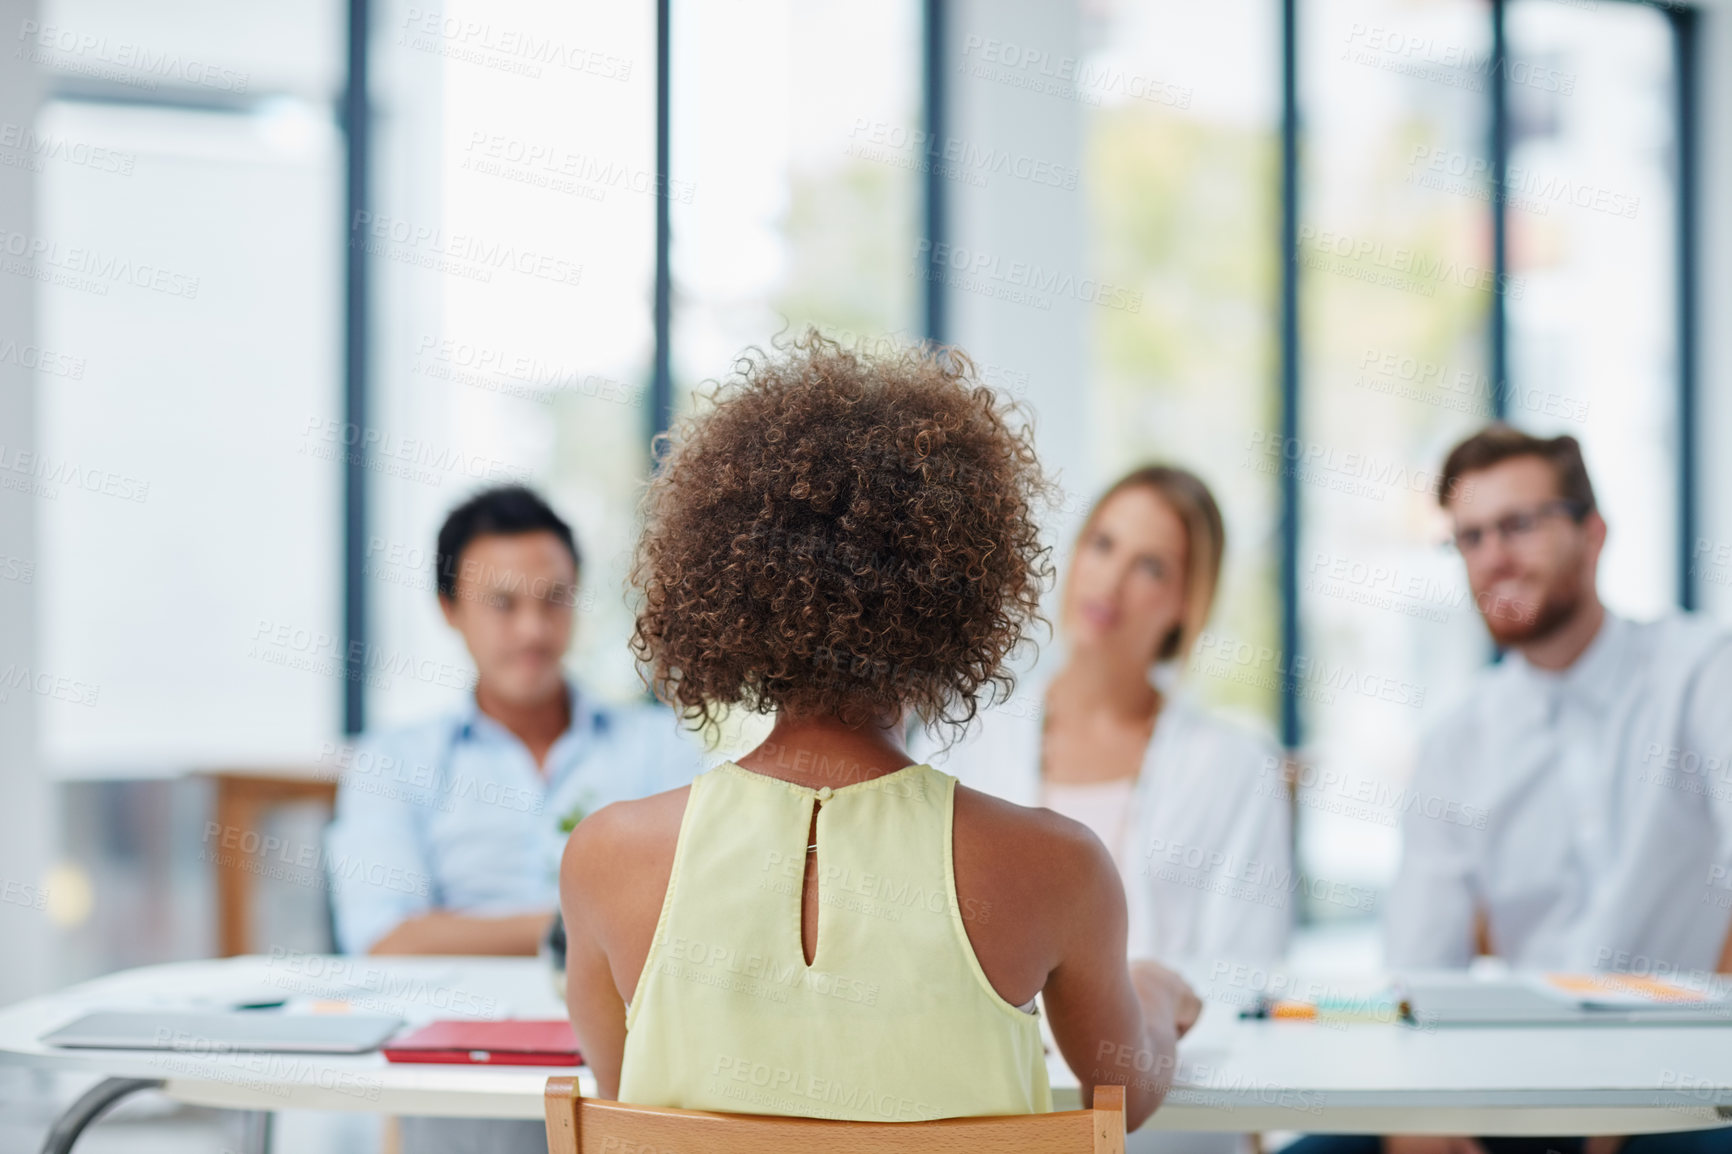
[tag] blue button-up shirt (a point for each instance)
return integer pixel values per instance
(452, 814)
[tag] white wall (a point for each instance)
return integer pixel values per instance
(1011, 223)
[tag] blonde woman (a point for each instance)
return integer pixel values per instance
(1191, 807)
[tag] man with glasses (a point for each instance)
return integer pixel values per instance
(1598, 750)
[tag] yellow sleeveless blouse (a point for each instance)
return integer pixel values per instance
(894, 1021)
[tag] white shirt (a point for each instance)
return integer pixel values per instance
(1209, 875)
(1103, 806)
(1593, 815)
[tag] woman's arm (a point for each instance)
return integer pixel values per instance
(613, 882)
(586, 876)
(444, 932)
(1108, 1034)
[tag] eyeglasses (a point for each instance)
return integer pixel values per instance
(1516, 526)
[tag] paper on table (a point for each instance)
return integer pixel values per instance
(1620, 991)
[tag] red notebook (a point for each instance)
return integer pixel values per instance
(508, 1043)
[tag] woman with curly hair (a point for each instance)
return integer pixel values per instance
(823, 927)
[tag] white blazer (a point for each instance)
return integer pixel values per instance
(1210, 874)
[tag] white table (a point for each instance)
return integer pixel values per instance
(1234, 1075)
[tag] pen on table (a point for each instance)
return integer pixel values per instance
(1328, 1009)
(1265, 1007)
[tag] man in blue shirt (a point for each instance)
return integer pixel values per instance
(448, 833)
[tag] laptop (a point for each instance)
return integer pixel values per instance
(1551, 1000)
(232, 1031)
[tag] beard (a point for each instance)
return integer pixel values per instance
(1526, 622)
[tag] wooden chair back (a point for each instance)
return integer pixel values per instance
(578, 1125)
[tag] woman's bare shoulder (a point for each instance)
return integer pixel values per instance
(1046, 850)
(613, 849)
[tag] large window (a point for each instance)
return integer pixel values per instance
(1397, 284)
(512, 243)
(1425, 305)
(515, 249)
(1484, 205)
(189, 174)
(1484, 214)
(188, 358)
(796, 142)
(1593, 198)
(1183, 211)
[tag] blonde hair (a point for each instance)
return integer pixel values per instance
(1205, 543)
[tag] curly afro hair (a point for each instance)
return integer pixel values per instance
(844, 534)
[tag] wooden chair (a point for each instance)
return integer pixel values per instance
(242, 801)
(578, 1125)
